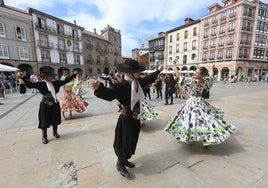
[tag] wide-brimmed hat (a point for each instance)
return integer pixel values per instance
(46, 72)
(130, 66)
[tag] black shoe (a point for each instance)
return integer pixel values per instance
(44, 140)
(171, 103)
(56, 135)
(122, 170)
(166, 104)
(130, 164)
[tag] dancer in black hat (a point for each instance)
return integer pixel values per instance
(130, 94)
(49, 109)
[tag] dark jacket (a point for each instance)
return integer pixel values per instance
(127, 128)
(48, 114)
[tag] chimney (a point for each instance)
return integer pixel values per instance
(188, 21)
(2, 3)
(95, 31)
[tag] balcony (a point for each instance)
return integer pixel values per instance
(76, 50)
(62, 47)
(45, 44)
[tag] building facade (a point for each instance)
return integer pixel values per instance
(182, 43)
(233, 38)
(102, 53)
(157, 49)
(17, 47)
(58, 44)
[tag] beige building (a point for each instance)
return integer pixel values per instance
(182, 43)
(58, 44)
(16, 39)
(233, 37)
(102, 53)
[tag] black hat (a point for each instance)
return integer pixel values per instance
(130, 66)
(46, 71)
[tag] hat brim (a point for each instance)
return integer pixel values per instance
(124, 68)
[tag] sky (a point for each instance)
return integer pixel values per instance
(137, 20)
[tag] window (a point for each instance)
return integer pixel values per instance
(258, 53)
(205, 45)
(63, 57)
(212, 55)
(21, 33)
(260, 40)
(61, 44)
(23, 53)
(263, 13)
(60, 29)
(98, 60)
(213, 43)
(247, 12)
(184, 59)
(206, 22)
(230, 40)
(170, 38)
(245, 26)
(76, 59)
(75, 46)
(170, 50)
(2, 30)
(185, 34)
(231, 26)
(185, 46)
(213, 31)
(221, 41)
(214, 19)
(223, 16)
(194, 45)
(206, 34)
(41, 23)
(220, 54)
(204, 56)
(177, 48)
(229, 53)
(194, 31)
(43, 40)
(193, 57)
(222, 29)
(243, 53)
(45, 55)
(244, 40)
(178, 36)
(75, 33)
(3, 51)
(233, 12)
(262, 27)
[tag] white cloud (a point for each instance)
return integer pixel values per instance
(135, 19)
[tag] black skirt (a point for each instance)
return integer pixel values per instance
(126, 136)
(49, 115)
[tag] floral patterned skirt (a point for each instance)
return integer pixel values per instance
(69, 102)
(198, 120)
(148, 112)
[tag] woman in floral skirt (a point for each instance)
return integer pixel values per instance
(198, 120)
(69, 102)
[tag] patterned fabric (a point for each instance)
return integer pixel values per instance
(148, 113)
(198, 120)
(69, 102)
